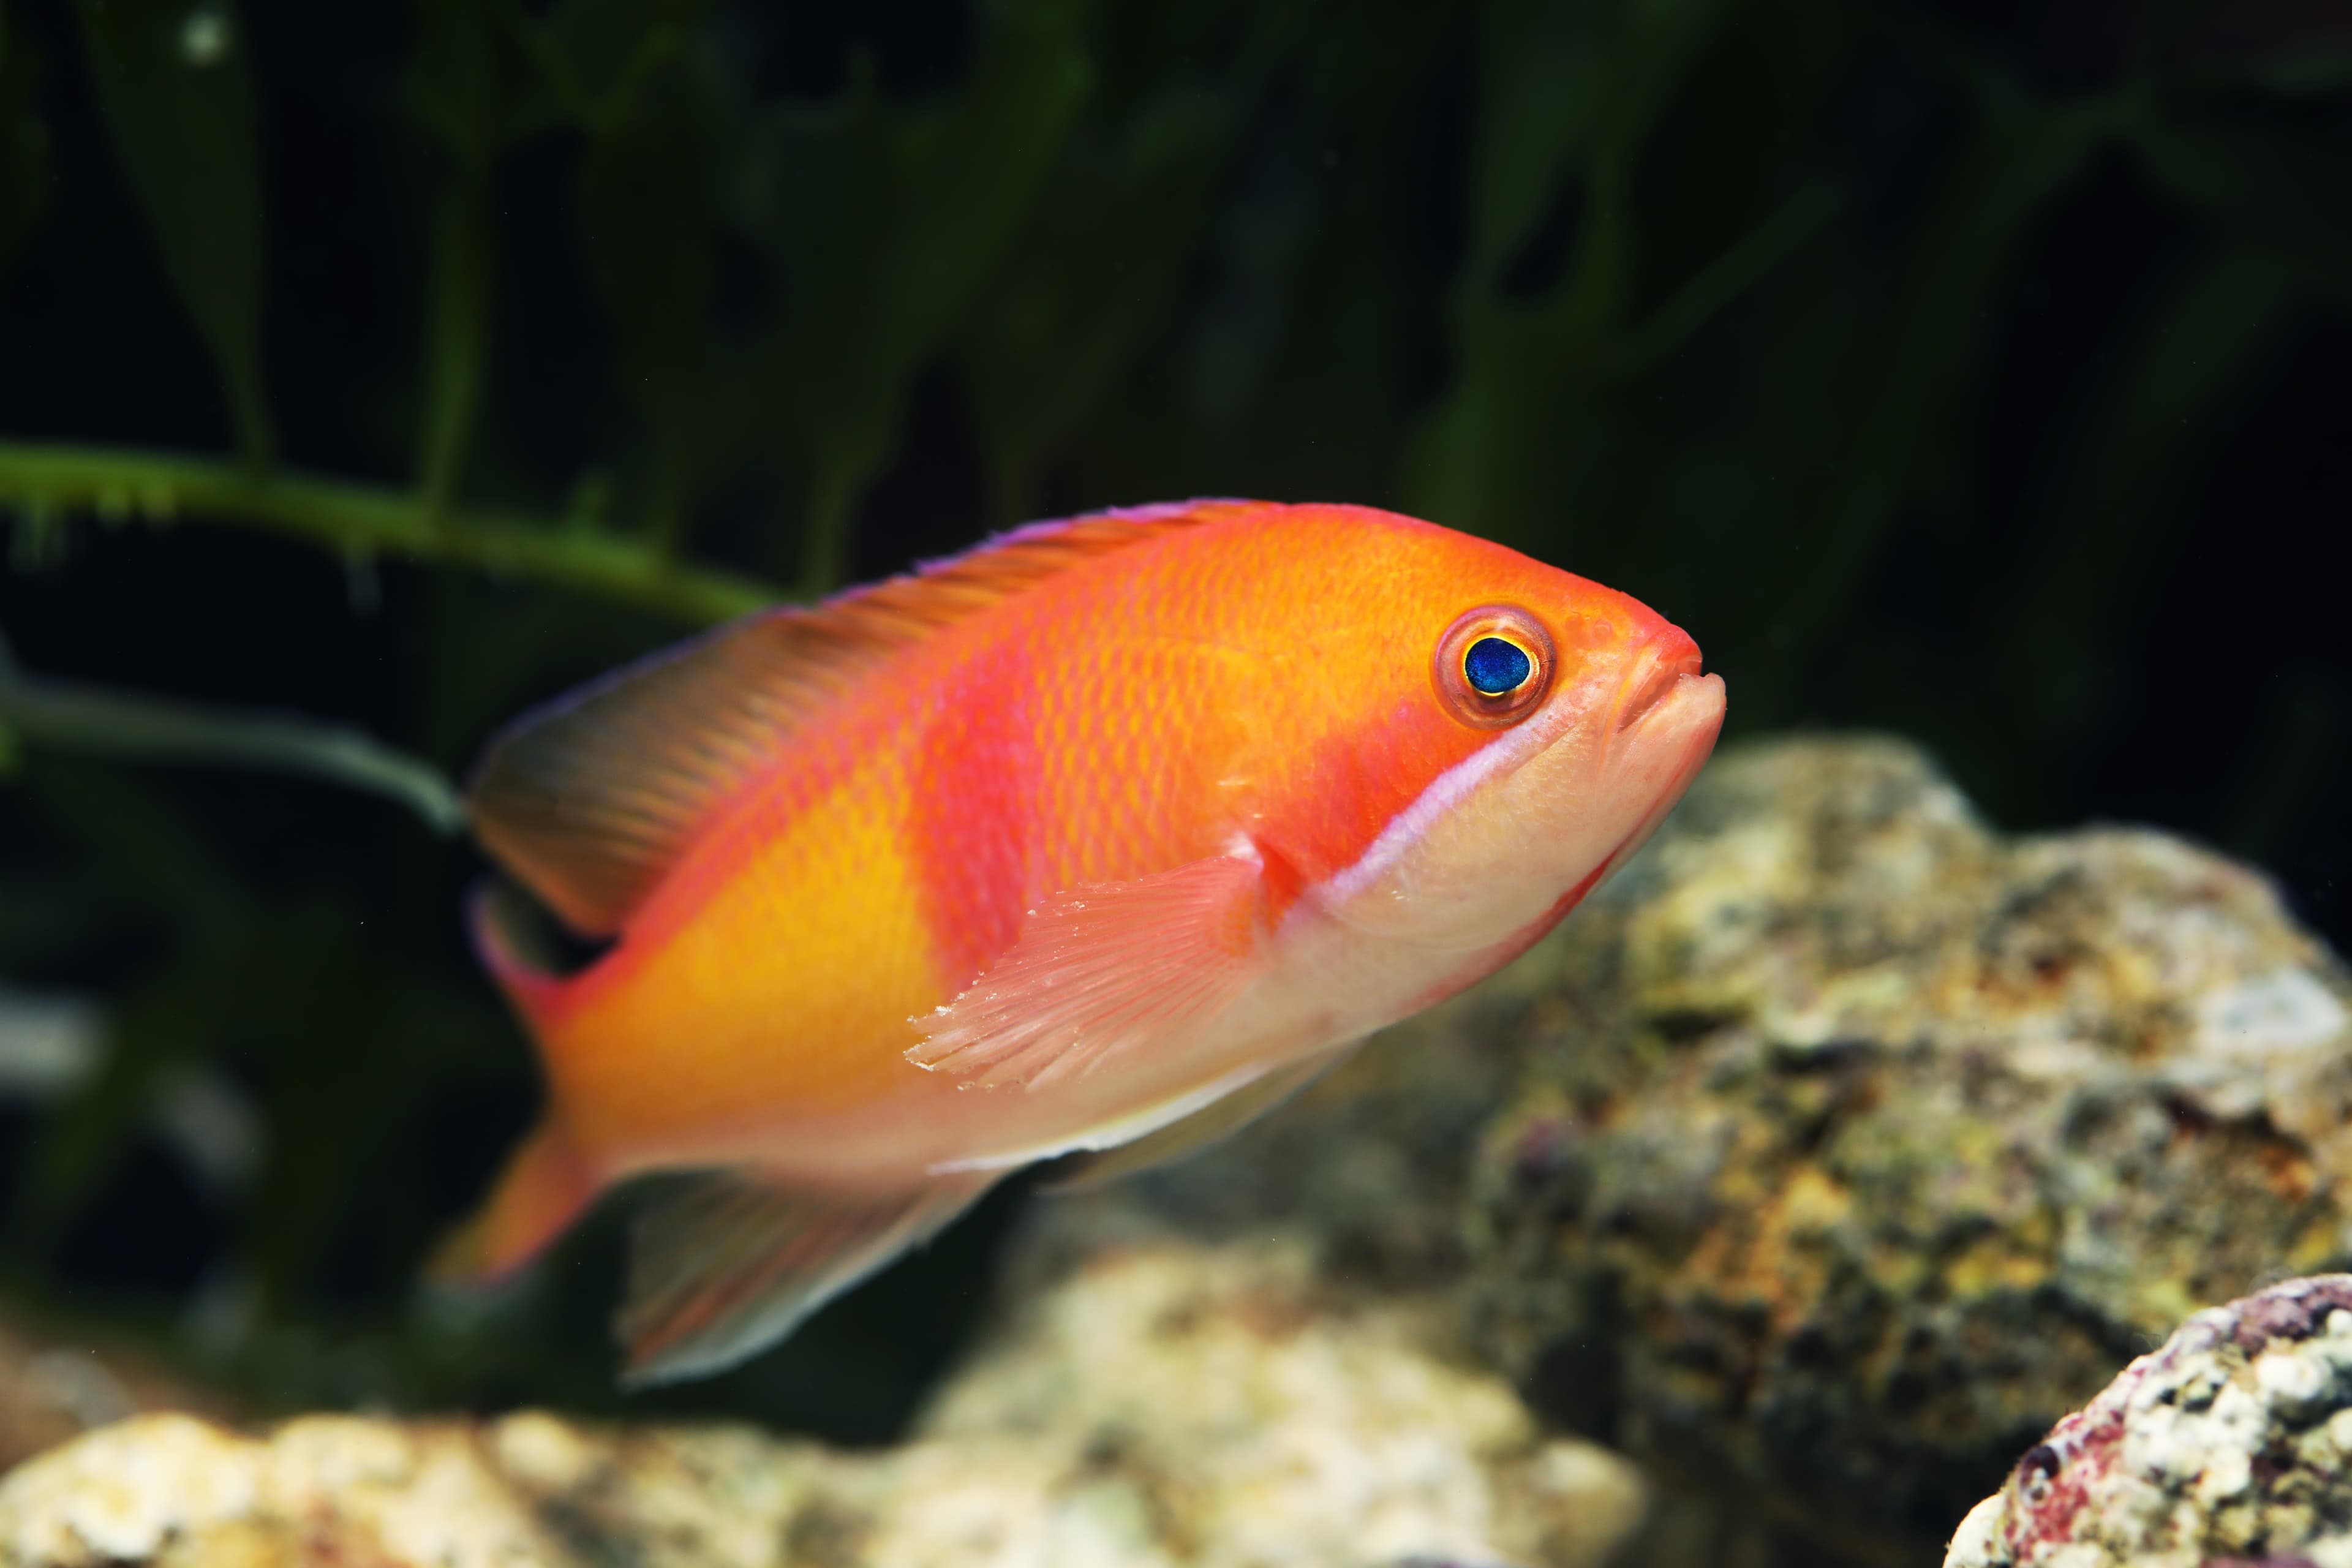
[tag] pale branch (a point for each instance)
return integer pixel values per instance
(74, 717)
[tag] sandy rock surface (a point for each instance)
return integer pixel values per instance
(55, 1387)
(2232, 1445)
(1164, 1404)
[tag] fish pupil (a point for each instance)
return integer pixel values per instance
(1494, 667)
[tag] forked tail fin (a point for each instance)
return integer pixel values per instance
(545, 1185)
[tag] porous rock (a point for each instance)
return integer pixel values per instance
(2232, 1444)
(54, 1385)
(1854, 1142)
(1163, 1403)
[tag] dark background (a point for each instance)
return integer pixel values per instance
(1980, 373)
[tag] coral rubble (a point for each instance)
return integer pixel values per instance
(1161, 1404)
(1860, 1142)
(2231, 1444)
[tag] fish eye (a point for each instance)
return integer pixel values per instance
(1494, 666)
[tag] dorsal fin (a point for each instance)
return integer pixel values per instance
(590, 799)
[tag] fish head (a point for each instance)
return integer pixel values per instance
(1555, 722)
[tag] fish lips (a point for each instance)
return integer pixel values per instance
(1660, 727)
(1669, 713)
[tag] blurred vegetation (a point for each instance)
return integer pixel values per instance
(1977, 374)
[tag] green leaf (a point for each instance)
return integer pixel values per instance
(1114, 231)
(462, 269)
(483, 77)
(26, 172)
(600, 48)
(882, 219)
(1573, 94)
(1541, 74)
(174, 87)
(1924, 355)
(2120, 519)
(1570, 102)
(477, 86)
(2287, 193)
(649, 199)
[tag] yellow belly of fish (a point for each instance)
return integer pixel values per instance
(785, 999)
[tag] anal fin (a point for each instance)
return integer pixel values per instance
(1219, 1119)
(542, 1190)
(731, 1261)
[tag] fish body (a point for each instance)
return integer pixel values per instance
(1096, 840)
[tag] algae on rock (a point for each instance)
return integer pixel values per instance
(1882, 1139)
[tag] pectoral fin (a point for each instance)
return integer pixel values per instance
(1103, 970)
(1220, 1118)
(734, 1260)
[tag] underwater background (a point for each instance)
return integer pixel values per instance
(1982, 373)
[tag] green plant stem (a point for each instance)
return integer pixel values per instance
(824, 541)
(353, 519)
(93, 719)
(464, 244)
(1742, 264)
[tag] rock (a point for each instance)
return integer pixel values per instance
(54, 1386)
(1854, 1144)
(1163, 1403)
(2232, 1445)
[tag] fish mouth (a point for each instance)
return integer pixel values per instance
(1661, 673)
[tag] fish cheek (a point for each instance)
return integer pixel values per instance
(1348, 788)
(1567, 810)
(1485, 849)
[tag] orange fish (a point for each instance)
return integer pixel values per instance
(1098, 840)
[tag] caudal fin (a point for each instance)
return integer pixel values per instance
(545, 1185)
(542, 1190)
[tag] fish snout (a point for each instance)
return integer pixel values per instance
(1657, 670)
